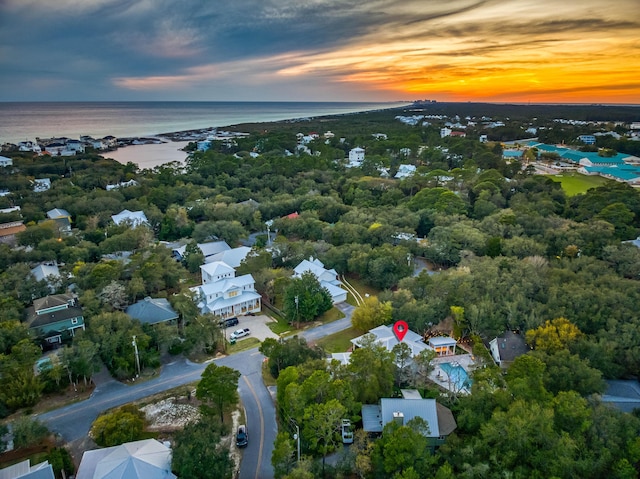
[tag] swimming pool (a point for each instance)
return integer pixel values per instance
(457, 375)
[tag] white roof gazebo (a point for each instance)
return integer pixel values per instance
(443, 345)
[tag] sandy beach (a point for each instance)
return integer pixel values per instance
(150, 156)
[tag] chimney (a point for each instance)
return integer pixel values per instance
(398, 418)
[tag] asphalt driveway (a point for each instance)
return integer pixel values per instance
(257, 325)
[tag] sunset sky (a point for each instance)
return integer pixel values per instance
(584, 51)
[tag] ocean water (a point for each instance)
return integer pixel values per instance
(20, 121)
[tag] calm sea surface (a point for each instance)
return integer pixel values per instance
(26, 121)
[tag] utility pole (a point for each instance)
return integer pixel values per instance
(135, 348)
(268, 223)
(296, 436)
(296, 299)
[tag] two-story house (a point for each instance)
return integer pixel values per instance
(328, 278)
(225, 295)
(55, 318)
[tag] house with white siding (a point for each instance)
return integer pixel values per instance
(356, 157)
(328, 278)
(225, 295)
(133, 218)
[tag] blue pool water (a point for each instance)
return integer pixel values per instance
(457, 375)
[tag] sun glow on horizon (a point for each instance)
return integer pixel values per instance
(481, 52)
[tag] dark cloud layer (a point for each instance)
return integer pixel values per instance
(189, 49)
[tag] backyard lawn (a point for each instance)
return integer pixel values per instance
(338, 342)
(577, 183)
(362, 288)
(281, 325)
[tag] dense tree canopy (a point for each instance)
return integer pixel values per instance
(505, 248)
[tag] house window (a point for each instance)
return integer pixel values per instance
(233, 293)
(74, 320)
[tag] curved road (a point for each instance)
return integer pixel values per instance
(73, 422)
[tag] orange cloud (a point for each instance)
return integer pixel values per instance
(521, 50)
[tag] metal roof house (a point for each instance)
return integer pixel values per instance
(225, 295)
(58, 213)
(147, 459)
(152, 311)
(233, 257)
(207, 249)
(328, 278)
(133, 218)
(385, 336)
(24, 470)
(401, 410)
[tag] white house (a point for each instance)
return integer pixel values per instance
(405, 171)
(9, 210)
(76, 146)
(384, 336)
(233, 257)
(225, 295)
(110, 140)
(29, 146)
(49, 273)
(98, 144)
(24, 470)
(41, 184)
(58, 213)
(445, 132)
(587, 139)
(4, 161)
(133, 218)
(207, 249)
(122, 184)
(45, 271)
(635, 242)
(328, 278)
(144, 459)
(356, 157)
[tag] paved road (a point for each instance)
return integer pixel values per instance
(74, 421)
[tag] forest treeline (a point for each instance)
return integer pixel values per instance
(509, 250)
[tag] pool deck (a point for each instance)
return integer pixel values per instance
(441, 378)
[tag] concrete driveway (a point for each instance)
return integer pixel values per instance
(257, 325)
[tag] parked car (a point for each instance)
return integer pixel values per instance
(242, 437)
(347, 432)
(240, 333)
(227, 323)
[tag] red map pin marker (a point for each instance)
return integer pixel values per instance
(400, 328)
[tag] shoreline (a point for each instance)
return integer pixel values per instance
(158, 144)
(22, 121)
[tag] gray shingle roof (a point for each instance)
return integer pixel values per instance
(152, 311)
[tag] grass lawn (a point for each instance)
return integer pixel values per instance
(243, 344)
(577, 183)
(363, 288)
(267, 378)
(333, 314)
(338, 342)
(280, 325)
